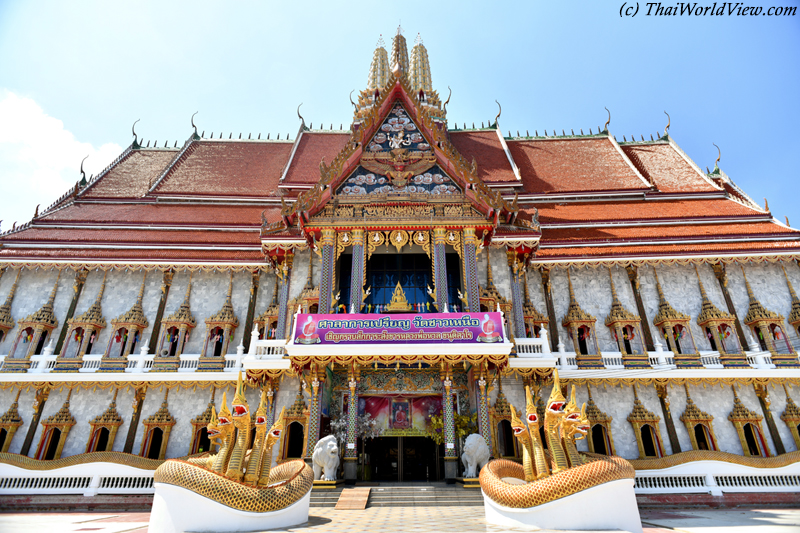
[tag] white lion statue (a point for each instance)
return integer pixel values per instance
(476, 455)
(326, 458)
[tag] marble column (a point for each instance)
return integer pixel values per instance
(484, 427)
(314, 416)
(77, 288)
(663, 398)
(470, 243)
(251, 310)
(633, 277)
(328, 242)
(351, 445)
(285, 276)
(138, 403)
(551, 310)
(449, 428)
(166, 283)
(440, 269)
(38, 406)
(722, 278)
(517, 296)
(764, 400)
(357, 271)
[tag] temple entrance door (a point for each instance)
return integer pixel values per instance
(403, 459)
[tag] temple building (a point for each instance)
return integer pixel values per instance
(406, 275)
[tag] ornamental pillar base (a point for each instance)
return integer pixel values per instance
(16, 365)
(350, 470)
(589, 362)
(211, 364)
(733, 360)
(450, 470)
(688, 361)
(785, 360)
(113, 364)
(636, 361)
(166, 364)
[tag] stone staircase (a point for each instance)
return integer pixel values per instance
(406, 495)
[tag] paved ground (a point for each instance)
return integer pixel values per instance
(420, 520)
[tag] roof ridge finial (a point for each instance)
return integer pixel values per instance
(605, 126)
(83, 174)
(719, 156)
(669, 121)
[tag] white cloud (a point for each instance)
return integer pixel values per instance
(39, 159)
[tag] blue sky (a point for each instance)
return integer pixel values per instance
(75, 75)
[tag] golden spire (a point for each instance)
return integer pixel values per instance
(740, 412)
(575, 313)
(593, 412)
(794, 315)
(94, 315)
(640, 413)
(226, 314)
(12, 418)
(135, 314)
(692, 412)
(223, 410)
(709, 311)
(45, 315)
(419, 74)
(756, 311)
(665, 311)
(6, 320)
(399, 62)
(379, 68)
(184, 313)
(790, 414)
(618, 313)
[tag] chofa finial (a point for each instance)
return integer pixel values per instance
(499, 112)
(83, 174)
(449, 94)
(302, 120)
(133, 131)
(669, 121)
(605, 126)
(719, 156)
(192, 121)
(351, 100)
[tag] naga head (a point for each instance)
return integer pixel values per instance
(241, 411)
(212, 429)
(275, 431)
(532, 415)
(261, 414)
(583, 427)
(556, 402)
(572, 415)
(224, 419)
(518, 426)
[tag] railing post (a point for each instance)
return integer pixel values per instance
(142, 353)
(93, 487)
(239, 356)
(545, 342)
(712, 485)
(253, 341)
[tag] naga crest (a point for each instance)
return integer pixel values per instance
(277, 428)
(224, 417)
(261, 412)
(240, 407)
(212, 429)
(583, 426)
(556, 402)
(571, 409)
(530, 406)
(517, 425)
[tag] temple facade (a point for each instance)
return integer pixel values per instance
(398, 283)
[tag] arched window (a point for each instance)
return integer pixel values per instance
(584, 338)
(52, 444)
(600, 439)
(154, 446)
(753, 439)
(2, 335)
(40, 346)
(294, 441)
(202, 442)
(118, 340)
(703, 437)
(23, 342)
(100, 440)
(171, 341)
(505, 436)
(650, 444)
(216, 340)
(710, 335)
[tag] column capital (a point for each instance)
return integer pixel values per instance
(633, 275)
(439, 235)
(358, 236)
(721, 273)
(328, 237)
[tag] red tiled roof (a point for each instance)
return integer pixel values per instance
(311, 149)
(587, 252)
(163, 213)
(220, 168)
(573, 165)
(689, 231)
(485, 147)
(641, 210)
(133, 236)
(137, 255)
(133, 176)
(666, 168)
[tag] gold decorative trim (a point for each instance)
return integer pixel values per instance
(708, 455)
(119, 458)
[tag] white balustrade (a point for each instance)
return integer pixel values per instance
(532, 347)
(613, 361)
(711, 360)
(230, 363)
(91, 363)
(188, 362)
(268, 349)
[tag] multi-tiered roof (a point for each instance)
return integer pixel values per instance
(593, 197)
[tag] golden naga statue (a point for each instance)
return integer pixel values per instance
(234, 477)
(546, 476)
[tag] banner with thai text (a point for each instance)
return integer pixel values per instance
(398, 328)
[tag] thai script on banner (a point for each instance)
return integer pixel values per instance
(394, 328)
